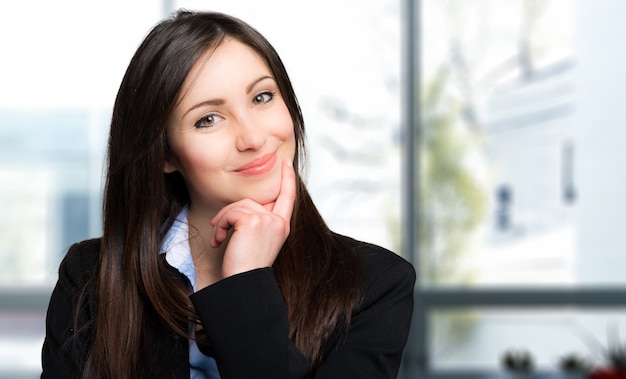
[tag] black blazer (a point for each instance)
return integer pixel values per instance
(246, 321)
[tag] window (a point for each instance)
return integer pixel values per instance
(515, 213)
(61, 67)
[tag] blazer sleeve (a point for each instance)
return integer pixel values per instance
(245, 319)
(63, 353)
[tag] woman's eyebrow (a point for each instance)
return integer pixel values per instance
(213, 102)
(254, 83)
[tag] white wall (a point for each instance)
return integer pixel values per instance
(601, 120)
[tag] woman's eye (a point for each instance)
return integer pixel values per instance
(262, 98)
(207, 121)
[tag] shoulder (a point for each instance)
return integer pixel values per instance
(382, 317)
(383, 268)
(80, 263)
(377, 260)
(70, 311)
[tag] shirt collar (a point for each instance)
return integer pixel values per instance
(176, 248)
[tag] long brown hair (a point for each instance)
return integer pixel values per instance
(317, 276)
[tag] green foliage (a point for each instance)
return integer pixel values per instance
(452, 201)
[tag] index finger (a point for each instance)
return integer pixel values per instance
(287, 196)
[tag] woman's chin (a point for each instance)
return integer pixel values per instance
(263, 200)
(262, 196)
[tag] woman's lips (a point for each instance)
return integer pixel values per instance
(258, 166)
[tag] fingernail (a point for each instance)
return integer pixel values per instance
(289, 163)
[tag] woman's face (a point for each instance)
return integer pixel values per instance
(231, 130)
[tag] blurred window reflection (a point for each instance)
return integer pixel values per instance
(587, 334)
(498, 143)
(520, 194)
(61, 65)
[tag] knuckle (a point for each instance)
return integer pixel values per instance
(254, 219)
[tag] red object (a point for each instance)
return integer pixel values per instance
(608, 373)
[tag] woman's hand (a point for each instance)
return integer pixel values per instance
(258, 231)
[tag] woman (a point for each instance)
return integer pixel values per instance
(214, 262)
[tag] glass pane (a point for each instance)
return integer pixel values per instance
(49, 183)
(61, 65)
(343, 58)
(21, 336)
(519, 143)
(480, 340)
(59, 80)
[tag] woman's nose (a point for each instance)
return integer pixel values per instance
(249, 135)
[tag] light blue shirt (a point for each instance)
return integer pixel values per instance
(178, 254)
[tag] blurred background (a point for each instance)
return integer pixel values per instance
(480, 139)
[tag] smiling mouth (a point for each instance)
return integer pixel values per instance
(258, 166)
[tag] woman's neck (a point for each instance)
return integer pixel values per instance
(206, 259)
